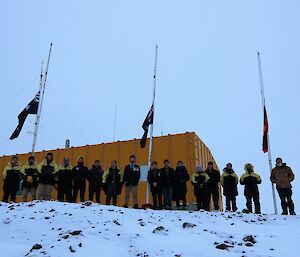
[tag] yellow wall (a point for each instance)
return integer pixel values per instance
(186, 147)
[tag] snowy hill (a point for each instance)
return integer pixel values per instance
(86, 230)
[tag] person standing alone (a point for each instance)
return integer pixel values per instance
(282, 175)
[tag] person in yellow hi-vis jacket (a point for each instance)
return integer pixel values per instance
(112, 183)
(47, 169)
(250, 180)
(11, 180)
(29, 174)
(229, 181)
(199, 181)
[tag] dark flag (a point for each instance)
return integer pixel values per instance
(31, 108)
(265, 145)
(147, 122)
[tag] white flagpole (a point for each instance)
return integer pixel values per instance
(42, 92)
(151, 126)
(268, 138)
(115, 123)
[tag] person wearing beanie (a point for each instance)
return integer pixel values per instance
(46, 178)
(64, 181)
(11, 180)
(251, 180)
(213, 184)
(79, 174)
(29, 174)
(229, 182)
(199, 180)
(95, 176)
(282, 175)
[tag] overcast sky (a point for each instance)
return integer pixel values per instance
(207, 80)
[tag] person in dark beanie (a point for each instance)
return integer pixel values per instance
(199, 181)
(213, 184)
(282, 175)
(251, 180)
(79, 174)
(95, 181)
(64, 181)
(156, 179)
(181, 176)
(229, 182)
(29, 174)
(11, 180)
(168, 186)
(112, 183)
(46, 179)
(132, 174)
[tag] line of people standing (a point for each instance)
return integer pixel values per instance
(166, 184)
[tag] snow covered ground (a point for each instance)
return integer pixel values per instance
(87, 230)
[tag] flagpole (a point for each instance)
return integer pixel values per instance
(262, 91)
(151, 126)
(115, 122)
(43, 81)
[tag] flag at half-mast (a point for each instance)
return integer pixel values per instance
(31, 108)
(265, 143)
(147, 122)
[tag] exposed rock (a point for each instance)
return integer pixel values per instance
(223, 246)
(188, 225)
(75, 232)
(250, 239)
(159, 230)
(36, 247)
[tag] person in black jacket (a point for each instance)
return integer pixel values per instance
(112, 183)
(64, 181)
(229, 181)
(11, 180)
(168, 185)
(132, 174)
(46, 179)
(29, 174)
(181, 176)
(79, 174)
(95, 181)
(156, 179)
(213, 184)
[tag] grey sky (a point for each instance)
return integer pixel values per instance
(103, 54)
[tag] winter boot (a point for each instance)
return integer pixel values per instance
(284, 208)
(291, 208)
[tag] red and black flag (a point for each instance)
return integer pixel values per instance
(31, 108)
(265, 144)
(147, 122)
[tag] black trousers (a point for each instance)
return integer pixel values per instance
(255, 198)
(157, 194)
(9, 191)
(79, 187)
(112, 193)
(285, 195)
(202, 201)
(230, 203)
(214, 193)
(64, 194)
(94, 190)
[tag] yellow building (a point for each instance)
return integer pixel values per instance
(186, 147)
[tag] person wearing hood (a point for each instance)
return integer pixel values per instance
(64, 181)
(79, 174)
(112, 183)
(229, 182)
(251, 180)
(46, 179)
(181, 176)
(213, 184)
(156, 179)
(95, 181)
(29, 174)
(11, 180)
(282, 175)
(199, 181)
